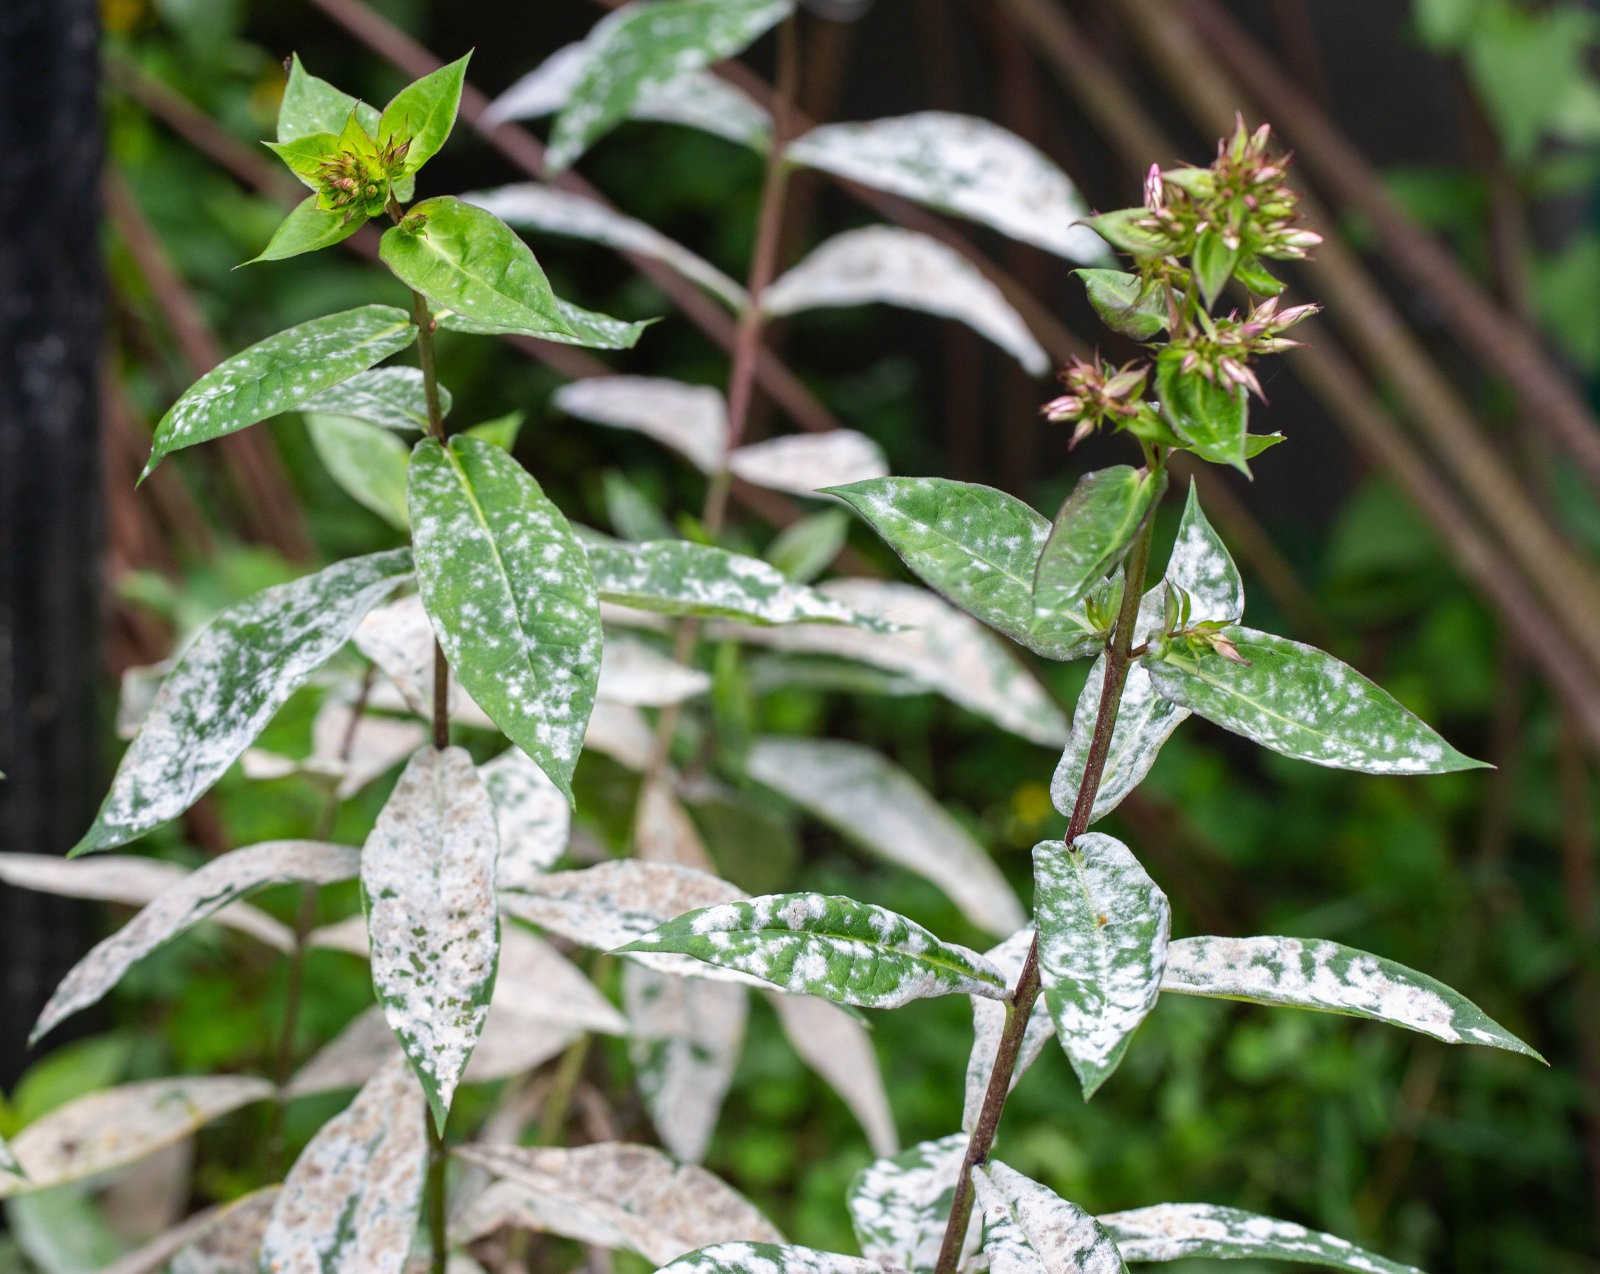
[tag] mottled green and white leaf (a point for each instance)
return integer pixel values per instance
(1176, 1231)
(691, 419)
(637, 673)
(835, 1045)
(1029, 1229)
(531, 815)
(989, 1021)
(422, 114)
(223, 1239)
(767, 1258)
(1203, 568)
(389, 397)
(1092, 533)
(805, 463)
(900, 1205)
(1145, 720)
(663, 832)
(367, 462)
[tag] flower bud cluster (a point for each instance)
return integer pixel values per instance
(1220, 349)
(357, 181)
(1095, 396)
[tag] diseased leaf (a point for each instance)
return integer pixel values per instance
(1103, 928)
(1092, 533)
(1173, 1231)
(510, 594)
(197, 896)
(311, 105)
(531, 815)
(663, 831)
(767, 1258)
(391, 397)
(816, 944)
(1145, 720)
(350, 1202)
(959, 164)
(1029, 1229)
(899, 1206)
(421, 115)
(1311, 974)
(536, 980)
(279, 374)
(223, 1239)
(621, 733)
(1203, 568)
(805, 463)
(989, 1021)
(614, 902)
(367, 462)
(359, 750)
(634, 672)
(307, 228)
(8, 1161)
(237, 672)
(691, 419)
(831, 1042)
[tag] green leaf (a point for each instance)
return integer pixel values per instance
(306, 155)
(1091, 534)
(899, 1205)
(1299, 701)
(307, 229)
(1145, 720)
(369, 463)
(654, 44)
(481, 277)
(390, 397)
(633, 514)
(227, 684)
(1255, 276)
(1310, 974)
(311, 106)
(1124, 303)
(423, 113)
(817, 944)
(767, 1258)
(1211, 420)
(502, 431)
(1121, 229)
(806, 548)
(1213, 264)
(509, 592)
(1103, 927)
(1173, 1231)
(280, 374)
(1029, 1229)
(1203, 568)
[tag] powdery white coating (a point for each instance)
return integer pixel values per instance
(663, 832)
(368, 464)
(136, 692)
(1145, 720)
(427, 885)
(1302, 702)
(186, 902)
(128, 879)
(279, 374)
(1103, 928)
(691, 419)
(989, 1020)
(350, 1202)
(1172, 1231)
(508, 589)
(685, 1039)
(398, 637)
(375, 744)
(909, 269)
(531, 815)
(874, 802)
(822, 944)
(531, 205)
(634, 672)
(1311, 974)
(899, 1206)
(205, 1230)
(959, 164)
(512, 1204)
(348, 935)
(768, 1258)
(804, 463)
(1029, 1229)
(226, 685)
(119, 1125)
(634, 1195)
(621, 733)
(1202, 566)
(644, 48)
(536, 980)
(390, 397)
(839, 1049)
(1091, 534)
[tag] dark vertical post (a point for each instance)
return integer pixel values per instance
(50, 338)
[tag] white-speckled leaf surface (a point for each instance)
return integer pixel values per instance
(427, 885)
(536, 980)
(959, 164)
(620, 732)
(531, 815)
(226, 685)
(1091, 534)
(1103, 928)
(279, 374)
(868, 798)
(1145, 720)
(768, 1258)
(508, 588)
(376, 744)
(1174, 1231)
(691, 419)
(368, 463)
(1310, 974)
(350, 1202)
(192, 1245)
(901, 267)
(636, 673)
(390, 397)
(838, 1048)
(196, 897)
(989, 1021)
(1202, 566)
(899, 1206)
(1029, 1229)
(398, 637)
(614, 902)
(805, 463)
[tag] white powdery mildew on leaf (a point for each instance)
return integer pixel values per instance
(390, 397)
(197, 896)
(350, 1202)
(685, 1038)
(768, 1258)
(635, 673)
(427, 885)
(1029, 1229)
(509, 591)
(1302, 702)
(1145, 720)
(1310, 974)
(663, 832)
(360, 749)
(1091, 534)
(989, 1021)
(534, 206)
(190, 1246)
(1172, 1231)
(877, 804)
(909, 269)
(531, 814)
(959, 164)
(1202, 566)
(691, 419)
(116, 1126)
(398, 637)
(136, 692)
(536, 980)
(804, 463)
(1103, 929)
(820, 944)
(226, 685)
(839, 1049)
(899, 1206)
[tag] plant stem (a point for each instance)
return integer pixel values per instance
(437, 1227)
(1021, 1002)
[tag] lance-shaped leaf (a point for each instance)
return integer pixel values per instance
(533, 206)
(116, 1126)
(1145, 720)
(1029, 1229)
(8, 1161)
(691, 419)
(663, 832)
(531, 815)
(1203, 568)
(427, 885)
(634, 672)
(350, 1202)
(197, 896)
(877, 804)
(1310, 974)
(685, 1039)
(989, 1022)
(279, 374)
(644, 48)
(1302, 702)
(421, 115)
(959, 164)
(480, 277)
(899, 1206)
(621, 733)
(767, 1258)
(807, 546)
(237, 672)
(311, 105)
(510, 594)
(908, 269)
(221, 1239)
(1092, 533)
(307, 228)
(390, 397)
(805, 463)
(367, 462)
(1174, 1231)
(1125, 302)
(1103, 927)
(838, 1048)
(614, 902)
(818, 944)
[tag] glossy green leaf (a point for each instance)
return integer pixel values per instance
(422, 114)
(367, 462)
(307, 229)
(653, 45)
(1175, 1231)
(899, 1205)
(1213, 264)
(1091, 534)
(1103, 927)
(1124, 303)
(818, 944)
(633, 514)
(1304, 703)
(807, 547)
(307, 155)
(509, 592)
(390, 397)
(1211, 420)
(226, 685)
(1029, 1229)
(502, 431)
(312, 105)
